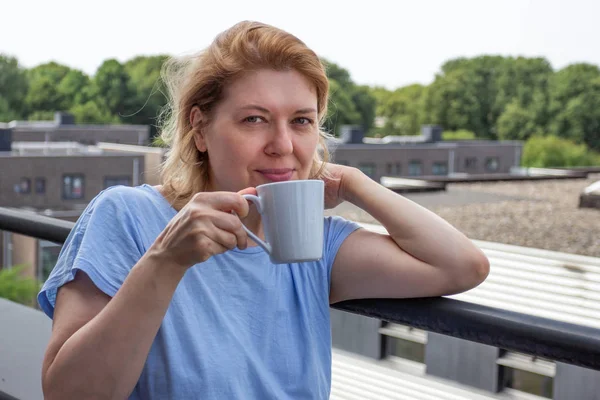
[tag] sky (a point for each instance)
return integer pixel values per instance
(389, 43)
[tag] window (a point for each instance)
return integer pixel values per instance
(48, 257)
(471, 162)
(407, 349)
(73, 186)
(24, 186)
(116, 180)
(492, 164)
(440, 168)
(528, 382)
(368, 169)
(404, 342)
(415, 168)
(527, 373)
(393, 169)
(40, 185)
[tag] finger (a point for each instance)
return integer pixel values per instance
(249, 190)
(231, 223)
(210, 248)
(225, 201)
(224, 238)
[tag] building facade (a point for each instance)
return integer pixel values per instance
(59, 179)
(424, 155)
(64, 129)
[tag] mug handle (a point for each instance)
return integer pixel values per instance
(256, 200)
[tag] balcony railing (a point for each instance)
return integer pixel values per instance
(569, 343)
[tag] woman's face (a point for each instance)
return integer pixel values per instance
(264, 130)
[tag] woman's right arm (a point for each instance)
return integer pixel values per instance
(99, 344)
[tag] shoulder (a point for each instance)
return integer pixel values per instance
(336, 230)
(123, 200)
(335, 225)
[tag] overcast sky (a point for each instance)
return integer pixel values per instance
(390, 43)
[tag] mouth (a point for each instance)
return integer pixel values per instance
(277, 174)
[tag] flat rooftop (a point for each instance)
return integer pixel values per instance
(43, 126)
(539, 214)
(58, 149)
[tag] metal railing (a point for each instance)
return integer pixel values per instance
(560, 341)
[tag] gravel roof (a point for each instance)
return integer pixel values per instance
(540, 214)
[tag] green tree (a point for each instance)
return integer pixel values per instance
(41, 115)
(43, 93)
(342, 110)
(148, 88)
(461, 134)
(517, 123)
(13, 88)
(551, 151)
(349, 104)
(365, 104)
(401, 110)
(475, 93)
(524, 83)
(575, 104)
(453, 102)
(381, 96)
(93, 113)
(338, 74)
(16, 287)
(113, 89)
(6, 112)
(74, 89)
(471, 90)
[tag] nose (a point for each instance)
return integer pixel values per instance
(280, 141)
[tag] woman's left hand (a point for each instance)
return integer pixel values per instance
(336, 182)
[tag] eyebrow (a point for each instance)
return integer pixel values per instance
(307, 110)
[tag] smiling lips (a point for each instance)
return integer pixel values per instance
(277, 174)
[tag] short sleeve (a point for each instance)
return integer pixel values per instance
(104, 243)
(337, 229)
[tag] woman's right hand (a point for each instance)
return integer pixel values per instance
(203, 228)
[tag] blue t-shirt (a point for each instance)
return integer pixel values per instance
(238, 326)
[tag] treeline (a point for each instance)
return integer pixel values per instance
(490, 97)
(127, 92)
(501, 98)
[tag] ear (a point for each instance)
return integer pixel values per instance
(196, 118)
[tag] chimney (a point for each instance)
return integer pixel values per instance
(431, 133)
(5, 139)
(352, 134)
(64, 118)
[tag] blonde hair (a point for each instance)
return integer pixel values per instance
(199, 80)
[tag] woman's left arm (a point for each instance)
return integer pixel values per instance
(423, 255)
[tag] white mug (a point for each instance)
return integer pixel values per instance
(292, 216)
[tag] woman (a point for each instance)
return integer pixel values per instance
(158, 292)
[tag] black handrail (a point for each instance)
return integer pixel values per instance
(560, 341)
(35, 225)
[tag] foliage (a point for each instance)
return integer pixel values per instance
(401, 111)
(13, 87)
(150, 94)
(16, 287)
(93, 113)
(461, 134)
(552, 151)
(349, 104)
(490, 96)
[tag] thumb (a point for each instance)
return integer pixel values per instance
(249, 190)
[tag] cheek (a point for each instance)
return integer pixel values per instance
(306, 148)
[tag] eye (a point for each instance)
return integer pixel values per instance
(303, 121)
(254, 119)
